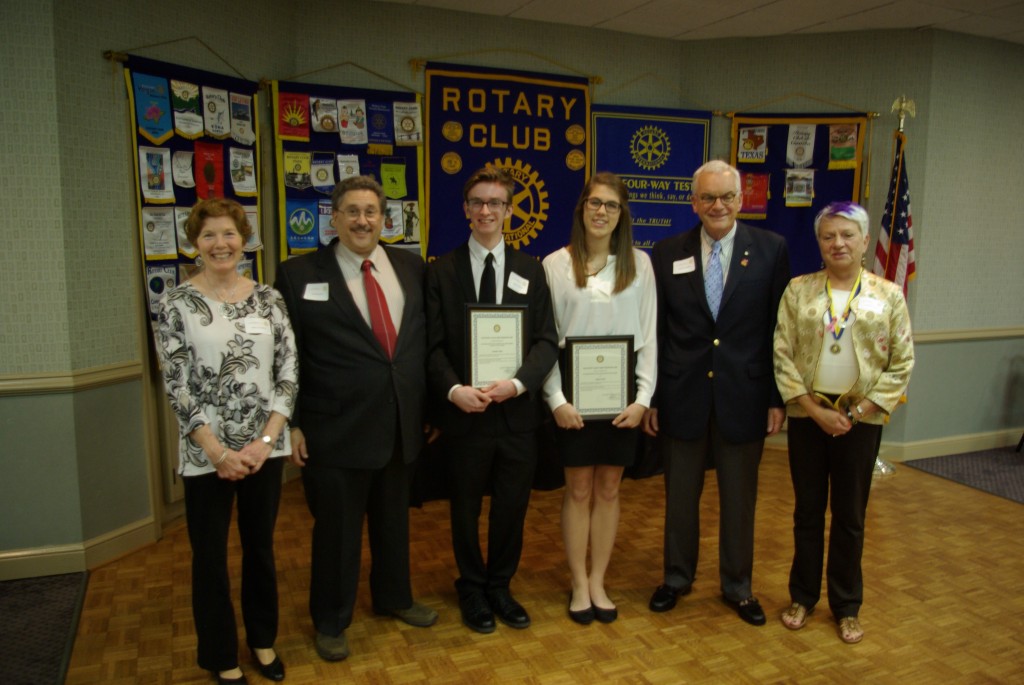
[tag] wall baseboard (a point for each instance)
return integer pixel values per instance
(923, 449)
(56, 559)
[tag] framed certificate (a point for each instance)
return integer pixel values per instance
(599, 375)
(495, 340)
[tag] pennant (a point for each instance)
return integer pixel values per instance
(209, 169)
(301, 220)
(393, 231)
(188, 114)
(322, 171)
(408, 123)
(155, 174)
(799, 187)
(392, 176)
(216, 113)
(755, 195)
(152, 108)
(380, 124)
(158, 233)
(241, 119)
(411, 221)
(181, 164)
(296, 169)
(842, 146)
(326, 230)
(254, 242)
(800, 148)
(293, 116)
(352, 122)
(323, 114)
(753, 145)
(159, 279)
(348, 166)
(245, 269)
(181, 215)
(243, 171)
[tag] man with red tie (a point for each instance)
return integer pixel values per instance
(358, 314)
(488, 431)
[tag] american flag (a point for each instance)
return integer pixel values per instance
(894, 252)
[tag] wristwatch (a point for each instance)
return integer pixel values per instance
(267, 439)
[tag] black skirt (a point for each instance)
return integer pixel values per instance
(598, 442)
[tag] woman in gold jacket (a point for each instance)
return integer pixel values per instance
(843, 355)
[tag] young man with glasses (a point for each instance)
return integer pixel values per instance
(488, 431)
(719, 287)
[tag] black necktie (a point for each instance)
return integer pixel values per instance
(487, 294)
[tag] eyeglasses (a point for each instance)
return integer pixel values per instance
(709, 200)
(353, 213)
(611, 206)
(476, 204)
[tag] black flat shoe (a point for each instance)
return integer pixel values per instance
(272, 671)
(583, 616)
(605, 615)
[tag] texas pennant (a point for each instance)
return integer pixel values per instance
(753, 147)
(241, 119)
(842, 146)
(188, 111)
(216, 114)
(322, 172)
(209, 170)
(152, 108)
(302, 224)
(293, 116)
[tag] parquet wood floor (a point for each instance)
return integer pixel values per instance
(944, 603)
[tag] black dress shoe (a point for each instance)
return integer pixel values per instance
(605, 615)
(509, 611)
(272, 671)
(748, 609)
(583, 616)
(476, 613)
(665, 596)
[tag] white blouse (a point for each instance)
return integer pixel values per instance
(597, 310)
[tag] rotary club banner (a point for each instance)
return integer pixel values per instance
(655, 152)
(318, 127)
(534, 126)
(792, 165)
(191, 112)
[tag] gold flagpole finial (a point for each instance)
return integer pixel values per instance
(901, 107)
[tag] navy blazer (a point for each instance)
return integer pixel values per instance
(450, 287)
(352, 398)
(723, 365)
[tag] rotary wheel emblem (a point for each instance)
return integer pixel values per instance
(529, 203)
(650, 147)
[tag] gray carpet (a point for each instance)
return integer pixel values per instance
(1000, 471)
(38, 626)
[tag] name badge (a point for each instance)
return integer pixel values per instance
(317, 292)
(254, 325)
(517, 283)
(684, 266)
(870, 304)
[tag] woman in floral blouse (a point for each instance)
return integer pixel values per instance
(843, 355)
(229, 363)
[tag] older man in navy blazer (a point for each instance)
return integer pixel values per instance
(719, 287)
(358, 314)
(488, 432)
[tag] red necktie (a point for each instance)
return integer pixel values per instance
(380, 317)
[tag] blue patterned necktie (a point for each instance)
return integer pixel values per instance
(713, 279)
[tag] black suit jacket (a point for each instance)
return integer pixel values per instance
(450, 287)
(351, 396)
(725, 364)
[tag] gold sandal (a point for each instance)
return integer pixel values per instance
(796, 615)
(850, 631)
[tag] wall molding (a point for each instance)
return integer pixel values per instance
(73, 381)
(56, 559)
(935, 447)
(967, 334)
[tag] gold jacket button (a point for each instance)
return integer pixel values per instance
(711, 374)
